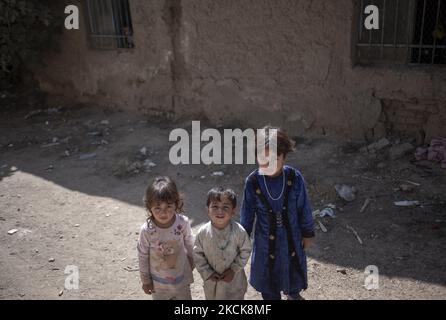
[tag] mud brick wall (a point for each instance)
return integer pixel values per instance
(248, 63)
(416, 119)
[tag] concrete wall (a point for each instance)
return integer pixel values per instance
(250, 62)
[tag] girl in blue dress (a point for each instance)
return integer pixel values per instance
(278, 203)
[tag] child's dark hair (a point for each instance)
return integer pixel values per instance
(162, 189)
(284, 144)
(215, 194)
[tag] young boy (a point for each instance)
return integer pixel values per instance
(222, 249)
(284, 226)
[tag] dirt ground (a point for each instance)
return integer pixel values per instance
(72, 185)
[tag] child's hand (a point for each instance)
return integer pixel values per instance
(228, 275)
(215, 277)
(148, 288)
(307, 242)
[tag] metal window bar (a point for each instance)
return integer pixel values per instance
(417, 34)
(436, 28)
(110, 24)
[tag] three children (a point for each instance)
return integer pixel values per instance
(276, 200)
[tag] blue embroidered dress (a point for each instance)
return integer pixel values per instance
(287, 277)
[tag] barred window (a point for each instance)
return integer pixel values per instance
(410, 32)
(110, 24)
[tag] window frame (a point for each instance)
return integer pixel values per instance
(379, 63)
(88, 14)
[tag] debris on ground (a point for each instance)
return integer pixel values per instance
(364, 206)
(324, 212)
(411, 182)
(407, 187)
(407, 203)
(37, 112)
(86, 156)
(49, 145)
(376, 146)
(323, 228)
(400, 150)
(148, 164)
(355, 233)
(94, 133)
(436, 151)
(346, 192)
(33, 113)
(12, 231)
(130, 269)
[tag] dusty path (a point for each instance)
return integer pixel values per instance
(87, 212)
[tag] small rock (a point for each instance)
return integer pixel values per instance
(376, 146)
(55, 139)
(36, 251)
(143, 151)
(105, 122)
(134, 167)
(60, 292)
(218, 173)
(51, 260)
(148, 164)
(12, 231)
(86, 156)
(346, 192)
(407, 187)
(202, 177)
(407, 203)
(49, 168)
(400, 150)
(108, 215)
(65, 140)
(77, 225)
